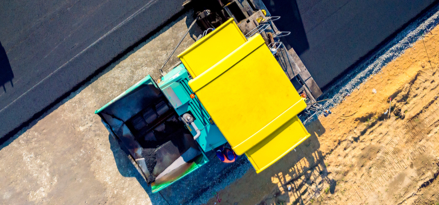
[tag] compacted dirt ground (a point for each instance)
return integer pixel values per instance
(362, 154)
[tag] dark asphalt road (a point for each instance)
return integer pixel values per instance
(332, 35)
(49, 47)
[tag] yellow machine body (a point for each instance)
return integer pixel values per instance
(213, 47)
(253, 103)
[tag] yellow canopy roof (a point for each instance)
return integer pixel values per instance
(253, 103)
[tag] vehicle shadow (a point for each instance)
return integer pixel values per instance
(303, 177)
(290, 21)
(182, 191)
(6, 74)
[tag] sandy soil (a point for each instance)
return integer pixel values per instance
(359, 154)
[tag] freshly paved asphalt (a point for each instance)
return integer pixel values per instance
(49, 47)
(330, 36)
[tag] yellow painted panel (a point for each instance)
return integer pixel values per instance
(248, 95)
(225, 64)
(277, 145)
(213, 47)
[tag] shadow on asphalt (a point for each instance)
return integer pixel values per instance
(290, 19)
(6, 74)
